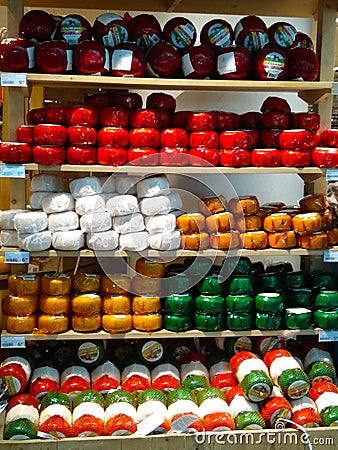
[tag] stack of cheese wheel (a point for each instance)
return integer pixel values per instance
(214, 410)
(269, 309)
(245, 413)
(120, 414)
(203, 139)
(221, 376)
(275, 407)
(194, 375)
(55, 289)
(105, 377)
(22, 420)
(44, 379)
(152, 402)
(305, 413)
(145, 138)
(325, 395)
(287, 374)
(326, 155)
(278, 225)
(252, 375)
(194, 236)
(178, 311)
(74, 380)
(88, 414)
(86, 308)
(4, 267)
(182, 408)
(21, 303)
(8, 234)
(135, 377)
(209, 304)
(319, 366)
(15, 372)
(116, 303)
(165, 377)
(326, 315)
(55, 416)
(234, 149)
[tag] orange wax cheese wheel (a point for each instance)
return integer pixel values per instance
(86, 282)
(149, 268)
(248, 223)
(224, 241)
(247, 205)
(326, 220)
(220, 222)
(145, 285)
(49, 324)
(146, 304)
(332, 236)
(85, 324)
(314, 241)
(20, 305)
(195, 241)
(254, 240)
(116, 304)
(86, 304)
(285, 239)
(56, 284)
(212, 205)
(21, 324)
(54, 304)
(147, 322)
(116, 284)
(24, 284)
(277, 222)
(4, 267)
(313, 203)
(191, 223)
(117, 323)
(306, 223)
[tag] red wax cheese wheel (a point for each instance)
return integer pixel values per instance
(174, 156)
(303, 63)
(253, 138)
(251, 32)
(14, 152)
(312, 140)
(114, 117)
(251, 120)
(81, 155)
(17, 55)
(329, 138)
(201, 121)
(127, 59)
(159, 100)
(145, 31)
(325, 157)
(91, 57)
(270, 64)
(198, 62)
(144, 137)
(234, 63)
(275, 104)
(180, 32)
(276, 120)
(163, 60)
(49, 155)
(202, 156)
(81, 115)
(207, 139)
(164, 118)
(50, 134)
(56, 115)
(113, 137)
(234, 158)
(233, 140)
(307, 121)
(265, 157)
(73, 29)
(111, 29)
(25, 134)
(295, 158)
(174, 137)
(127, 100)
(36, 116)
(54, 57)
(22, 399)
(179, 119)
(38, 25)
(292, 139)
(303, 40)
(216, 34)
(98, 100)
(270, 138)
(112, 156)
(143, 156)
(81, 135)
(227, 121)
(145, 118)
(282, 34)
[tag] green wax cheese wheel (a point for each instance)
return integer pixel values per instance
(249, 420)
(269, 302)
(206, 393)
(324, 281)
(243, 266)
(256, 386)
(178, 304)
(210, 285)
(209, 304)
(326, 300)
(294, 383)
(200, 266)
(151, 394)
(299, 297)
(257, 268)
(294, 280)
(265, 321)
(238, 321)
(280, 268)
(20, 429)
(298, 318)
(194, 381)
(270, 282)
(240, 284)
(179, 394)
(322, 371)
(172, 322)
(329, 416)
(89, 396)
(178, 282)
(239, 303)
(55, 398)
(208, 322)
(328, 320)
(120, 396)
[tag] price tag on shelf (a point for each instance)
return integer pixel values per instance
(17, 257)
(328, 336)
(13, 342)
(331, 174)
(12, 171)
(330, 256)
(13, 79)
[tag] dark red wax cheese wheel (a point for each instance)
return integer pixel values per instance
(234, 63)
(111, 29)
(308, 121)
(57, 115)
(202, 156)
(198, 62)
(81, 135)
(275, 104)
(201, 121)
(49, 155)
(145, 30)
(36, 24)
(81, 155)
(98, 100)
(143, 156)
(14, 152)
(302, 40)
(91, 57)
(276, 120)
(180, 32)
(251, 32)
(127, 100)
(144, 137)
(179, 119)
(325, 157)
(265, 157)
(164, 119)
(251, 120)
(253, 138)
(174, 137)
(25, 133)
(292, 139)
(113, 137)
(227, 121)
(73, 29)
(303, 63)
(282, 34)
(17, 55)
(270, 64)
(216, 34)
(36, 116)
(174, 156)
(127, 59)
(234, 158)
(233, 140)
(145, 118)
(312, 139)
(163, 60)
(270, 138)
(112, 156)
(295, 158)
(114, 117)
(329, 138)
(82, 115)
(207, 139)
(50, 134)
(159, 100)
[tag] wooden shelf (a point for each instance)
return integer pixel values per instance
(4, 276)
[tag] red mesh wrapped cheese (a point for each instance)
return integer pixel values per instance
(227, 121)
(265, 157)
(276, 120)
(324, 157)
(207, 139)
(292, 139)
(179, 119)
(307, 121)
(127, 100)
(270, 138)
(174, 137)
(25, 133)
(57, 115)
(160, 100)
(202, 156)
(295, 158)
(98, 100)
(174, 156)
(251, 120)
(275, 104)
(36, 115)
(144, 137)
(201, 121)
(81, 115)
(329, 138)
(253, 138)
(148, 118)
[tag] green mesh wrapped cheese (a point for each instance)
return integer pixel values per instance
(151, 394)
(299, 297)
(210, 285)
(88, 396)
(20, 429)
(266, 321)
(256, 386)
(294, 383)
(120, 396)
(249, 420)
(179, 394)
(207, 393)
(55, 398)
(240, 284)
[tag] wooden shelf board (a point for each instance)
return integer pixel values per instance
(4, 276)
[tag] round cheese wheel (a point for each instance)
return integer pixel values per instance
(4, 267)
(174, 137)
(116, 304)
(306, 223)
(326, 157)
(144, 137)
(201, 121)
(112, 156)
(314, 241)
(277, 222)
(190, 223)
(292, 139)
(114, 117)
(251, 32)
(270, 138)
(247, 205)
(225, 240)
(327, 220)
(284, 239)
(332, 236)
(116, 284)
(14, 152)
(265, 157)
(146, 304)
(25, 134)
(217, 33)
(86, 304)
(117, 323)
(248, 223)
(276, 120)
(270, 64)
(201, 157)
(21, 324)
(145, 285)
(313, 203)
(54, 305)
(49, 155)
(81, 135)
(148, 118)
(307, 121)
(48, 324)
(46, 182)
(24, 284)
(147, 322)
(212, 205)
(180, 32)
(85, 324)
(50, 134)
(56, 284)
(198, 241)
(207, 139)
(220, 222)
(86, 282)
(149, 268)
(35, 242)
(174, 156)
(254, 240)
(113, 137)
(143, 156)
(231, 140)
(82, 115)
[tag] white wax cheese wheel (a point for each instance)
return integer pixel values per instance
(279, 365)
(155, 205)
(106, 368)
(213, 405)
(30, 222)
(165, 241)
(108, 185)
(7, 218)
(163, 370)
(122, 205)
(175, 200)
(248, 365)
(46, 182)
(63, 221)
(84, 187)
(303, 403)
(135, 369)
(107, 240)
(56, 410)
(35, 199)
(23, 412)
(127, 184)
(240, 404)
(163, 223)
(8, 238)
(325, 400)
(95, 223)
(93, 409)
(193, 368)
(222, 367)
(45, 372)
(75, 371)
(182, 407)
(150, 407)
(317, 354)
(36, 242)
(153, 186)
(134, 242)
(120, 408)
(59, 202)
(90, 205)
(68, 240)
(129, 224)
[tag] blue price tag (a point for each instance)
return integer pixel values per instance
(12, 171)
(17, 257)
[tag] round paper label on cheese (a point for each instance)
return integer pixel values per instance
(152, 351)
(88, 352)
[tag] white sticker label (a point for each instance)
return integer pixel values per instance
(33, 268)
(16, 257)
(330, 255)
(69, 54)
(122, 60)
(328, 336)
(226, 63)
(187, 67)
(13, 342)
(31, 57)
(106, 64)
(331, 174)
(14, 79)
(12, 171)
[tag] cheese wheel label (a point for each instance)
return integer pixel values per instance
(88, 352)
(226, 63)
(12, 384)
(274, 64)
(298, 389)
(115, 36)
(146, 41)
(243, 343)
(19, 437)
(122, 60)
(280, 413)
(187, 67)
(71, 29)
(152, 351)
(182, 35)
(255, 392)
(285, 35)
(219, 34)
(31, 57)
(255, 41)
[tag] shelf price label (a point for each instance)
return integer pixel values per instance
(328, 336)
(331, 174)
(13, 342)
(330, 256)
(17, 257)
(12, 171)
(13, 79)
